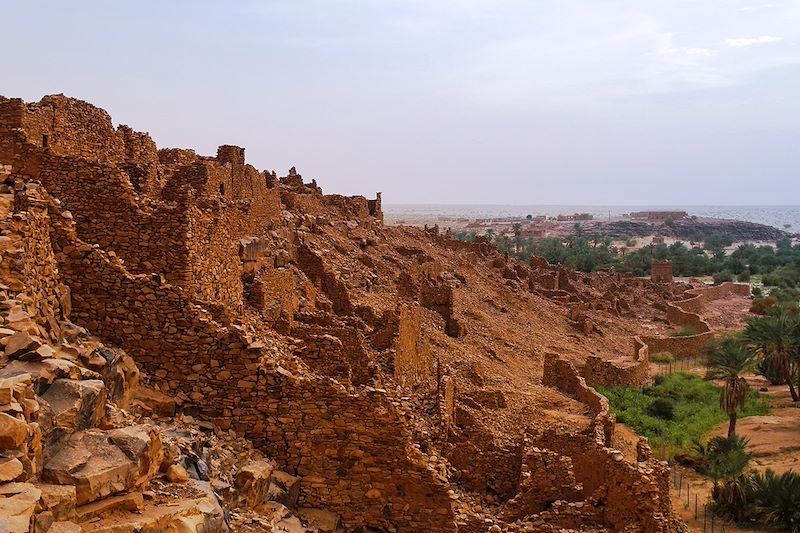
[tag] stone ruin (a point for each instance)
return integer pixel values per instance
(661, 271)
(172, 287)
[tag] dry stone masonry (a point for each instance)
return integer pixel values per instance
(189, 340)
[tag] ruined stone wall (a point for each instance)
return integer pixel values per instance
(350, 207)
(65, 126)
(272, 290)
(302, 202)
(28, 264)
(105, 208)
(661, 271)
(602, 373)
(173, 159)
(562, 376)
(438, 295)
(680, 347)
(108, 180)
(353, 450)
(324, 354)
(335, 351)
(375, 207)
(685, 313)
(213, 256)
(141, 161)
(310, 262)
(547, 477)
(447, 401)
(413, 364)
(485, 462)
(605, 475)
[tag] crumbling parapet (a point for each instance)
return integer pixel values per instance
(601, 373)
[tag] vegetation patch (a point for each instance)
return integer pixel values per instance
(687, 331)
(695, 409)
(662, 358)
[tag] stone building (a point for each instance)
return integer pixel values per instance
(661, 271)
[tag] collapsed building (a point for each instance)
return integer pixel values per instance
(368, 362)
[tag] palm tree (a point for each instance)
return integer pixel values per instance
(728, 359)
(517, 229)
(776, 337)
(726, 460)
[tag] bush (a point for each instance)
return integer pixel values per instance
(662, 408)
(725, 457)
(758, 292)
(686, 331)
(761, 306)
(722, 277)
(744, 277)
(775, 499)
(662, 357)
(767, 369)
(725, 460)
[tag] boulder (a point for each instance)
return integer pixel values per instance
(15, 388)
(252, 484)
(93, 464)
(10, 469)
(142, 445)
(43, 521)
(64, 527)
(20, 343)
(132, 501)
(42, 373)
(177, 474)
(58, 499)
(319, 519)
(284, 488)
(17, 504)
(153, 402)
(120, 375)
(76, 404)
(13, 431)
(6, 391)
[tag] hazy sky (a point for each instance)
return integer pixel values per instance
(446, 101)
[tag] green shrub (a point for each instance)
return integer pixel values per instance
(725, 457)
(662, 357)
(686, 331)
(722, 277)
(775, 499)
(761, 306)
(767, 369)
(661, 408)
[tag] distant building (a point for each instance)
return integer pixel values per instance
(657, 240)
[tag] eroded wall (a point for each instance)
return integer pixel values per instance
(353, 450)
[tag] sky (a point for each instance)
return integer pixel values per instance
(679, 102)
